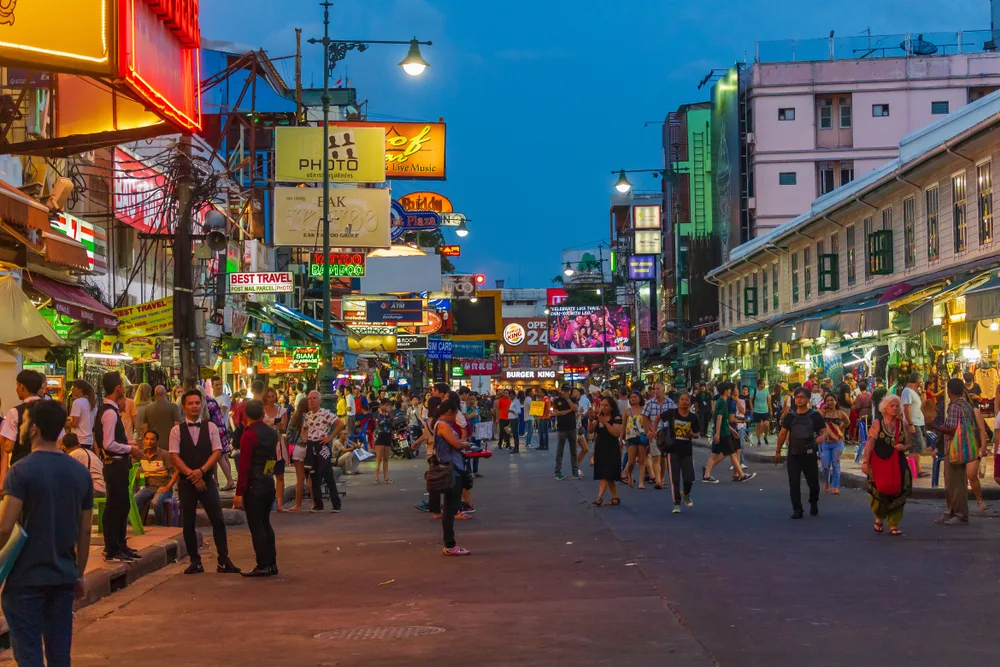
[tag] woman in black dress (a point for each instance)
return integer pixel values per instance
(607, 430)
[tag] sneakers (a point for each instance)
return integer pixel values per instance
(335, 510)
(227, 567)
(676, 510)
(424, 506)
(194, 568)
(952, 521)
(578, 475)
(814, 510)
(120, 557)
(455, 551)
(709, 480)
(797, 514)
(687, 501)
(745, 478)
(467, 508)
(560, 477)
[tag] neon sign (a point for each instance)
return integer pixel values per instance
(342, 264)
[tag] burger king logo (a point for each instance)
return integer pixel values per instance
(513, 334)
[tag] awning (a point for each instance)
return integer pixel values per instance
(19, 209)
(809, 328)
(74, 302)
(22, 326)
(874, 316)
(64, 251)
(783, 333)
(922, 317)
(718, 348)
(983, 302)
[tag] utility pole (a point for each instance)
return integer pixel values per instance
(638, 348)
(326, 374)
(298, 75)
(184, 324)
(604, 317)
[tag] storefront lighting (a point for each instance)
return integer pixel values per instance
(107, 357)
(598, 291)
(546, 311)
(937, 321)
(994, 326)
(971, 354)
(705, 362)
(829, 353)
(784, 368)
(957, 317)
(474, 300)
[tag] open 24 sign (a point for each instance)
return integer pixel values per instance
(526, 334)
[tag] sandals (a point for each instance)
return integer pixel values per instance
(879, 526)
(895, 532)
(982, 506)
(598, 502)
(659, 487)
(615, 501)
(228, 487)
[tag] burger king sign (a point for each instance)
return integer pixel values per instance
(513, 334)
(526, 335)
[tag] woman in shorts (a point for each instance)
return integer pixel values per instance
(294, 438)
(634, 436)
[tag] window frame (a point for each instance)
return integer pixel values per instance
(984, 202)
(933, 222)
(866, 231)
(807, 272)
(775, 287)
(783, 114)
(909, 232)
(947, 107)
(794, 259)
(884, 106)
(793, 174)
(960, 213)
(850, 234)
(850, 116)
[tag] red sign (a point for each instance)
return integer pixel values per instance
(139, 194)
(556, 295)
(160, 58)
(451, 250)
(480, 367)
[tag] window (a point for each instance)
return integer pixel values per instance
(787, 178)
(880, 110)
(786, 114)
(739, 301)
(763, 287)
(887, 218)
(880, 253)
(124, 239)
(826, 180)
(835, 243)
(846, 172)
(795, 277)
(909, 233)
(731, 311)
(852, 267)
(845, 113)
(939, 108)
(984, 179)
(774, 285)
(825, 114)
(750, 298)
(958, 212)
(869, 228)
(829, 272)
(807, 273)
(931, 204)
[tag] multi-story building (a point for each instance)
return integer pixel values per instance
(808, 116)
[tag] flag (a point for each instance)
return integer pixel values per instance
(340, 82)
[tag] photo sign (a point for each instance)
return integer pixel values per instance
(359, 218)
(354, 154)
(261, 283)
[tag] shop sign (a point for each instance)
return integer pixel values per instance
(480, 367)
(359, 217)
(342, 264)
(642, 267)
(438, 349)
(275, 282)
(306, 357)
(140, 348)
(354, 154)
(408, 342)
(18, 78)
(555, 295)
(646, 217)
(412, 221)
(468, 349)
(530, 374)
(413, 151)
(426, 201)
(456, 287)
(147, 319)
(395, 310)
(450, 250)
(76, 37)
(648, 242)
(457, 372)
(138, 196)
(385, 342)
(526, 334)
(86, 234)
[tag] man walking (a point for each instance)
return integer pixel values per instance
(658, 404)
(543, 421)
(52, 496)
(529, 419)
(255, 489)
(722, 439)
(504, 427)
(160, 416)
(352, 410)
(319, 428)
(196, 448)
(801, 428)
(913, 417)
(565, 411)
(119, 450)
(959, 422)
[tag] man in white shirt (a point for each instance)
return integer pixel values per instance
(352, 410)
(28, 384)
(913, 417)
(119, 451)
(221, 397)
(513, 418)
(83, 412)
(196, 448)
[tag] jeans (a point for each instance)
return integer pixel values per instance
(452, 503)
(189, 498)
(529, 430)
(830, 453)
(149, 493)
(564, 437)
(118, 504)
(257, 504)
(543, 433)
(799, 465)
(37, 616)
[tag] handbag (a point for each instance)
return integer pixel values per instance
(440, 477)
(964, 446)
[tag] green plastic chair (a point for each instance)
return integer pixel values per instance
(133, 514)
(99, 513)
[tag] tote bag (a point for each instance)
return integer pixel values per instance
(964, 445)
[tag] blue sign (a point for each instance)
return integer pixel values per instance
(385, 311)
(397, 214)
(642, 267)
(440, 304)
(412, 221)
(439, 349)
(468, 349)
(17, 78)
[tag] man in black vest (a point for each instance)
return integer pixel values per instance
(255, 489)
(196, 448)
(119, 450)
(29, 383)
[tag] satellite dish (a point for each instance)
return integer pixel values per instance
(919, 47)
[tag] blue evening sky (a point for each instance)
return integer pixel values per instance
(543, 98)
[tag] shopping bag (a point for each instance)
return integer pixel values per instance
(11, 550)
(964, 445)
(537, 408)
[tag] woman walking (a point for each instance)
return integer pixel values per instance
(276, 417)
(635, 433)
(448, 447)
(82, 412)
(682, 425)
(607, 429)
(831, 446)
(890, 481)
(294, 438)
(972, 467)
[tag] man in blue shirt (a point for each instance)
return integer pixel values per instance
(53, 496)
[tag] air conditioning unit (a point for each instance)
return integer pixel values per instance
(751, 138)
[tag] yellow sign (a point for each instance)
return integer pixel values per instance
(147, 319)
(355, 154)
(74, 36)
(359, 217)
(140, 348)
(372, 344)
(413, 150)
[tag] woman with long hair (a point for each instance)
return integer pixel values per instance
(972, 467)
(448, 446)
(635, 432)
(890, 480)
(82, 412)
(606, 426)
(831, 448)
(276, 416)
(294, 438)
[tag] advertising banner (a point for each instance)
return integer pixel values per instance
(468, 349)
(529, 374)
(438, 349)
(648, 242)
(457, 287)
(342, 264)
(372, 339)
(450, 250)
(426, 201)
(408, 342)
(355, 155)
(413, 151)
(642, 267)
(589, 329)
(555, 295)
(146, 319)
(412, 221)
(646, 217)
(480, 367)
(526, 335)
(75, 37)
(725, 151)
(261, 283)
(359, 218)
(395, 310)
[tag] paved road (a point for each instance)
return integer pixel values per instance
(554, 581)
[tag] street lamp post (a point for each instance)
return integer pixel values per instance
(333, 51)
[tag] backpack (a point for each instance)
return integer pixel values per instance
(802, 434)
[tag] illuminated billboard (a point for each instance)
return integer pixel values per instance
(589, 330)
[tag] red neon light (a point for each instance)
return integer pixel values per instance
(189, 60)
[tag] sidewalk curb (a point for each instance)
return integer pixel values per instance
(853, 480)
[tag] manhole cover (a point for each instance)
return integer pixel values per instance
(391, 632)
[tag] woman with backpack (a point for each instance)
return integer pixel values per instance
(760, 402)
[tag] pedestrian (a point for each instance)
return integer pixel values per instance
(972, 467)
(890, 481)
(214, 411)
(160, 478)
(802, 429)
(161, 415)
(660, 440)
(255, 492)
(913, 419)
(584, 405)
(513, 419)
(761, 411)
(87, 458)
(27, 385)
(544, 421)
(293, 437)
(196, 448)
(352, 410)
(529, 419)
(680, 428)
(319, 428)
(119, 451)
(129, 412)
(723, 445)
(276, 417)
(504, 430)
(383, 440)
(52, 497)
(565, 411)
(607, 429)
(960, 447)
(82, 412)
(831, 449)
(635, 434)
(448, 447)
(703, 406)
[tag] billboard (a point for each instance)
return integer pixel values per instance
(372, 339)
(481, 319)
(76, 37)
(555, 295)
(526, 335)
(407, 342)
(261, 283)
(589, 330)
(146, 319)
(646, 217)
(426, 201)
(725, 150)
(359, 217)
(413, 151)
(355, 155)
(642, 267)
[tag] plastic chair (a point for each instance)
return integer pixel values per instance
(134, 517)
(862, 439)
(99, 510)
